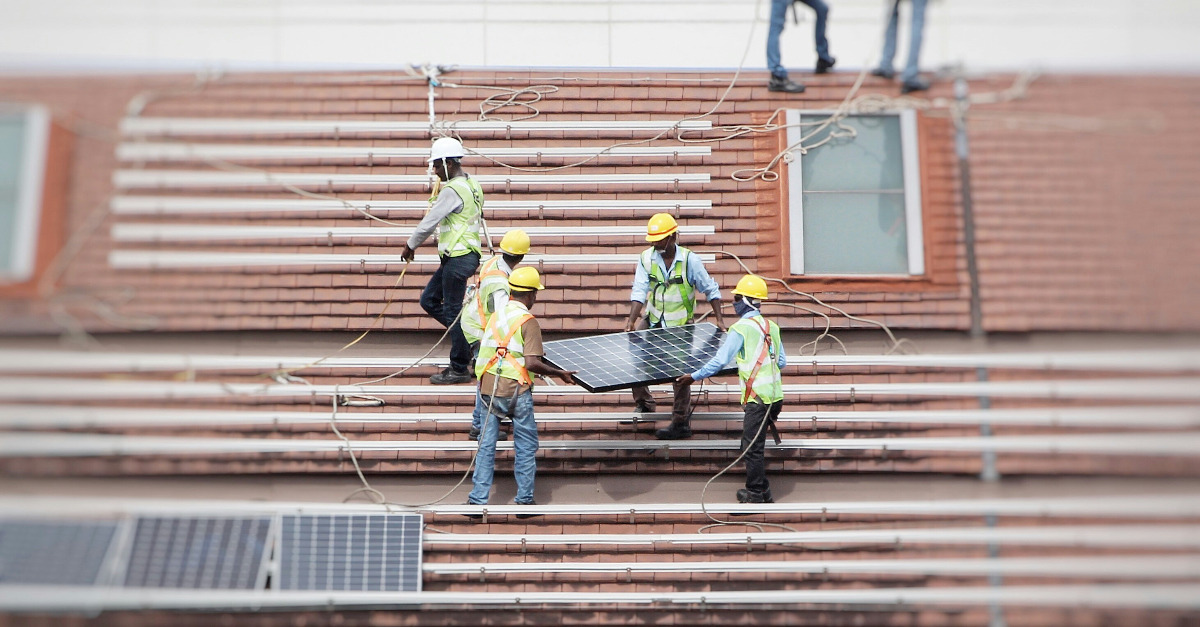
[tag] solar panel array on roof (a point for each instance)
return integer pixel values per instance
(53, 552)
(198, 552)
(622, 360)
(364, 552)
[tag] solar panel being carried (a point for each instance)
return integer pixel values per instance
(622, 360)
(199, 553)
(351, 552)
(53, 552)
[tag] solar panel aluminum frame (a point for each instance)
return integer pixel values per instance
(711, 337)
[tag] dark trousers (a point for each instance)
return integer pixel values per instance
(443, 299)
(681, 407)
(752, 424)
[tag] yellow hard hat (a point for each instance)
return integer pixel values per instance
(515, 242)
(660, 226)
(752, 286)
(525, 279)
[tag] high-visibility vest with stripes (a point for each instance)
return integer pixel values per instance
(493, 282)
(502, 350)
(757, 364)
(671, 298)
(458, 233)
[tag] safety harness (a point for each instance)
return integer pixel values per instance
(765, 328)
(502, 350)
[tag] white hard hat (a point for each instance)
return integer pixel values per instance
(446, 148)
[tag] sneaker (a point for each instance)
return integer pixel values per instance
(674, 432)
(785, 85)
(824, 66)
(916, 84)
(747, 496)
(882, 73)
(642, 407)
(450, 376)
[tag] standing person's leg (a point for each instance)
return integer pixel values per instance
(888, 57)
(525, 443)
(819, 39)
(913, 67)
(643, 401)
(431, 296)
(681, 409)
(754, 439)
(778, 18)
(458, 270)
(485, 457)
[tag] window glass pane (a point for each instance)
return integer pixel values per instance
(871, 160)
(12, 145)
(855, 234)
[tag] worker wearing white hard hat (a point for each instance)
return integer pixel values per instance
(455, 215)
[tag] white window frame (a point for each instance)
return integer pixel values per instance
(912, 194)
(30, 182)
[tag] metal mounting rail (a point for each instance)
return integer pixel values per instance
(182, 179)
(16, 416)
(155, 259)
(80, 599)
(1108, 567)
(60, 389)
(212, 233)
(209, 205)
(172, 151)
(183, 127)
(23, 444)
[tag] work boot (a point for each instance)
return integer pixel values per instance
(747, 496)
(824, 66)
(450, 376)
(677, 431)
(525, 516)
(785, 85)
(916, 84)
(882, 73)
(642, 407)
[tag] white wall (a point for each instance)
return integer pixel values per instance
(1089, 35)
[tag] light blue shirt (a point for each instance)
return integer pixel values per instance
(729, 348)
(697, 277)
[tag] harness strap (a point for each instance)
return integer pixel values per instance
(762, 356)
(502, 350)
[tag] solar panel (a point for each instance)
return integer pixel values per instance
(198, 552)
(351, 552)
(622, 360)
(53, 552)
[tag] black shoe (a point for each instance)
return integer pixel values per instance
(824, 66)
(882, 73)
(916, 84)
(643, 407)
(746, 496)
(784, 85)
(450, 376)
(474, 516)
(674, 432)
(526, 516)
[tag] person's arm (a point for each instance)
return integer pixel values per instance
(531, 331)
(702, 282)
(447, 203)
(729, 348)
(781, 361)
(637, 297)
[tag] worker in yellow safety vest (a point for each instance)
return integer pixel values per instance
(491, 293)
(754, 343)
(665, 285)
(511, 349)
(455, 214)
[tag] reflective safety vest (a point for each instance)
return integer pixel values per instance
(757, 361)
(458, 233)
(671, 298)
(493, 283)
(502, 350)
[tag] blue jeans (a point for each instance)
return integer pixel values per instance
(778, 18)
(911, 69)
(525, 441)
(443, 299)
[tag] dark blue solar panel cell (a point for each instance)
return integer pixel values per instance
(199, 552)
(53, 552)
(622, 360)
(353, 552)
